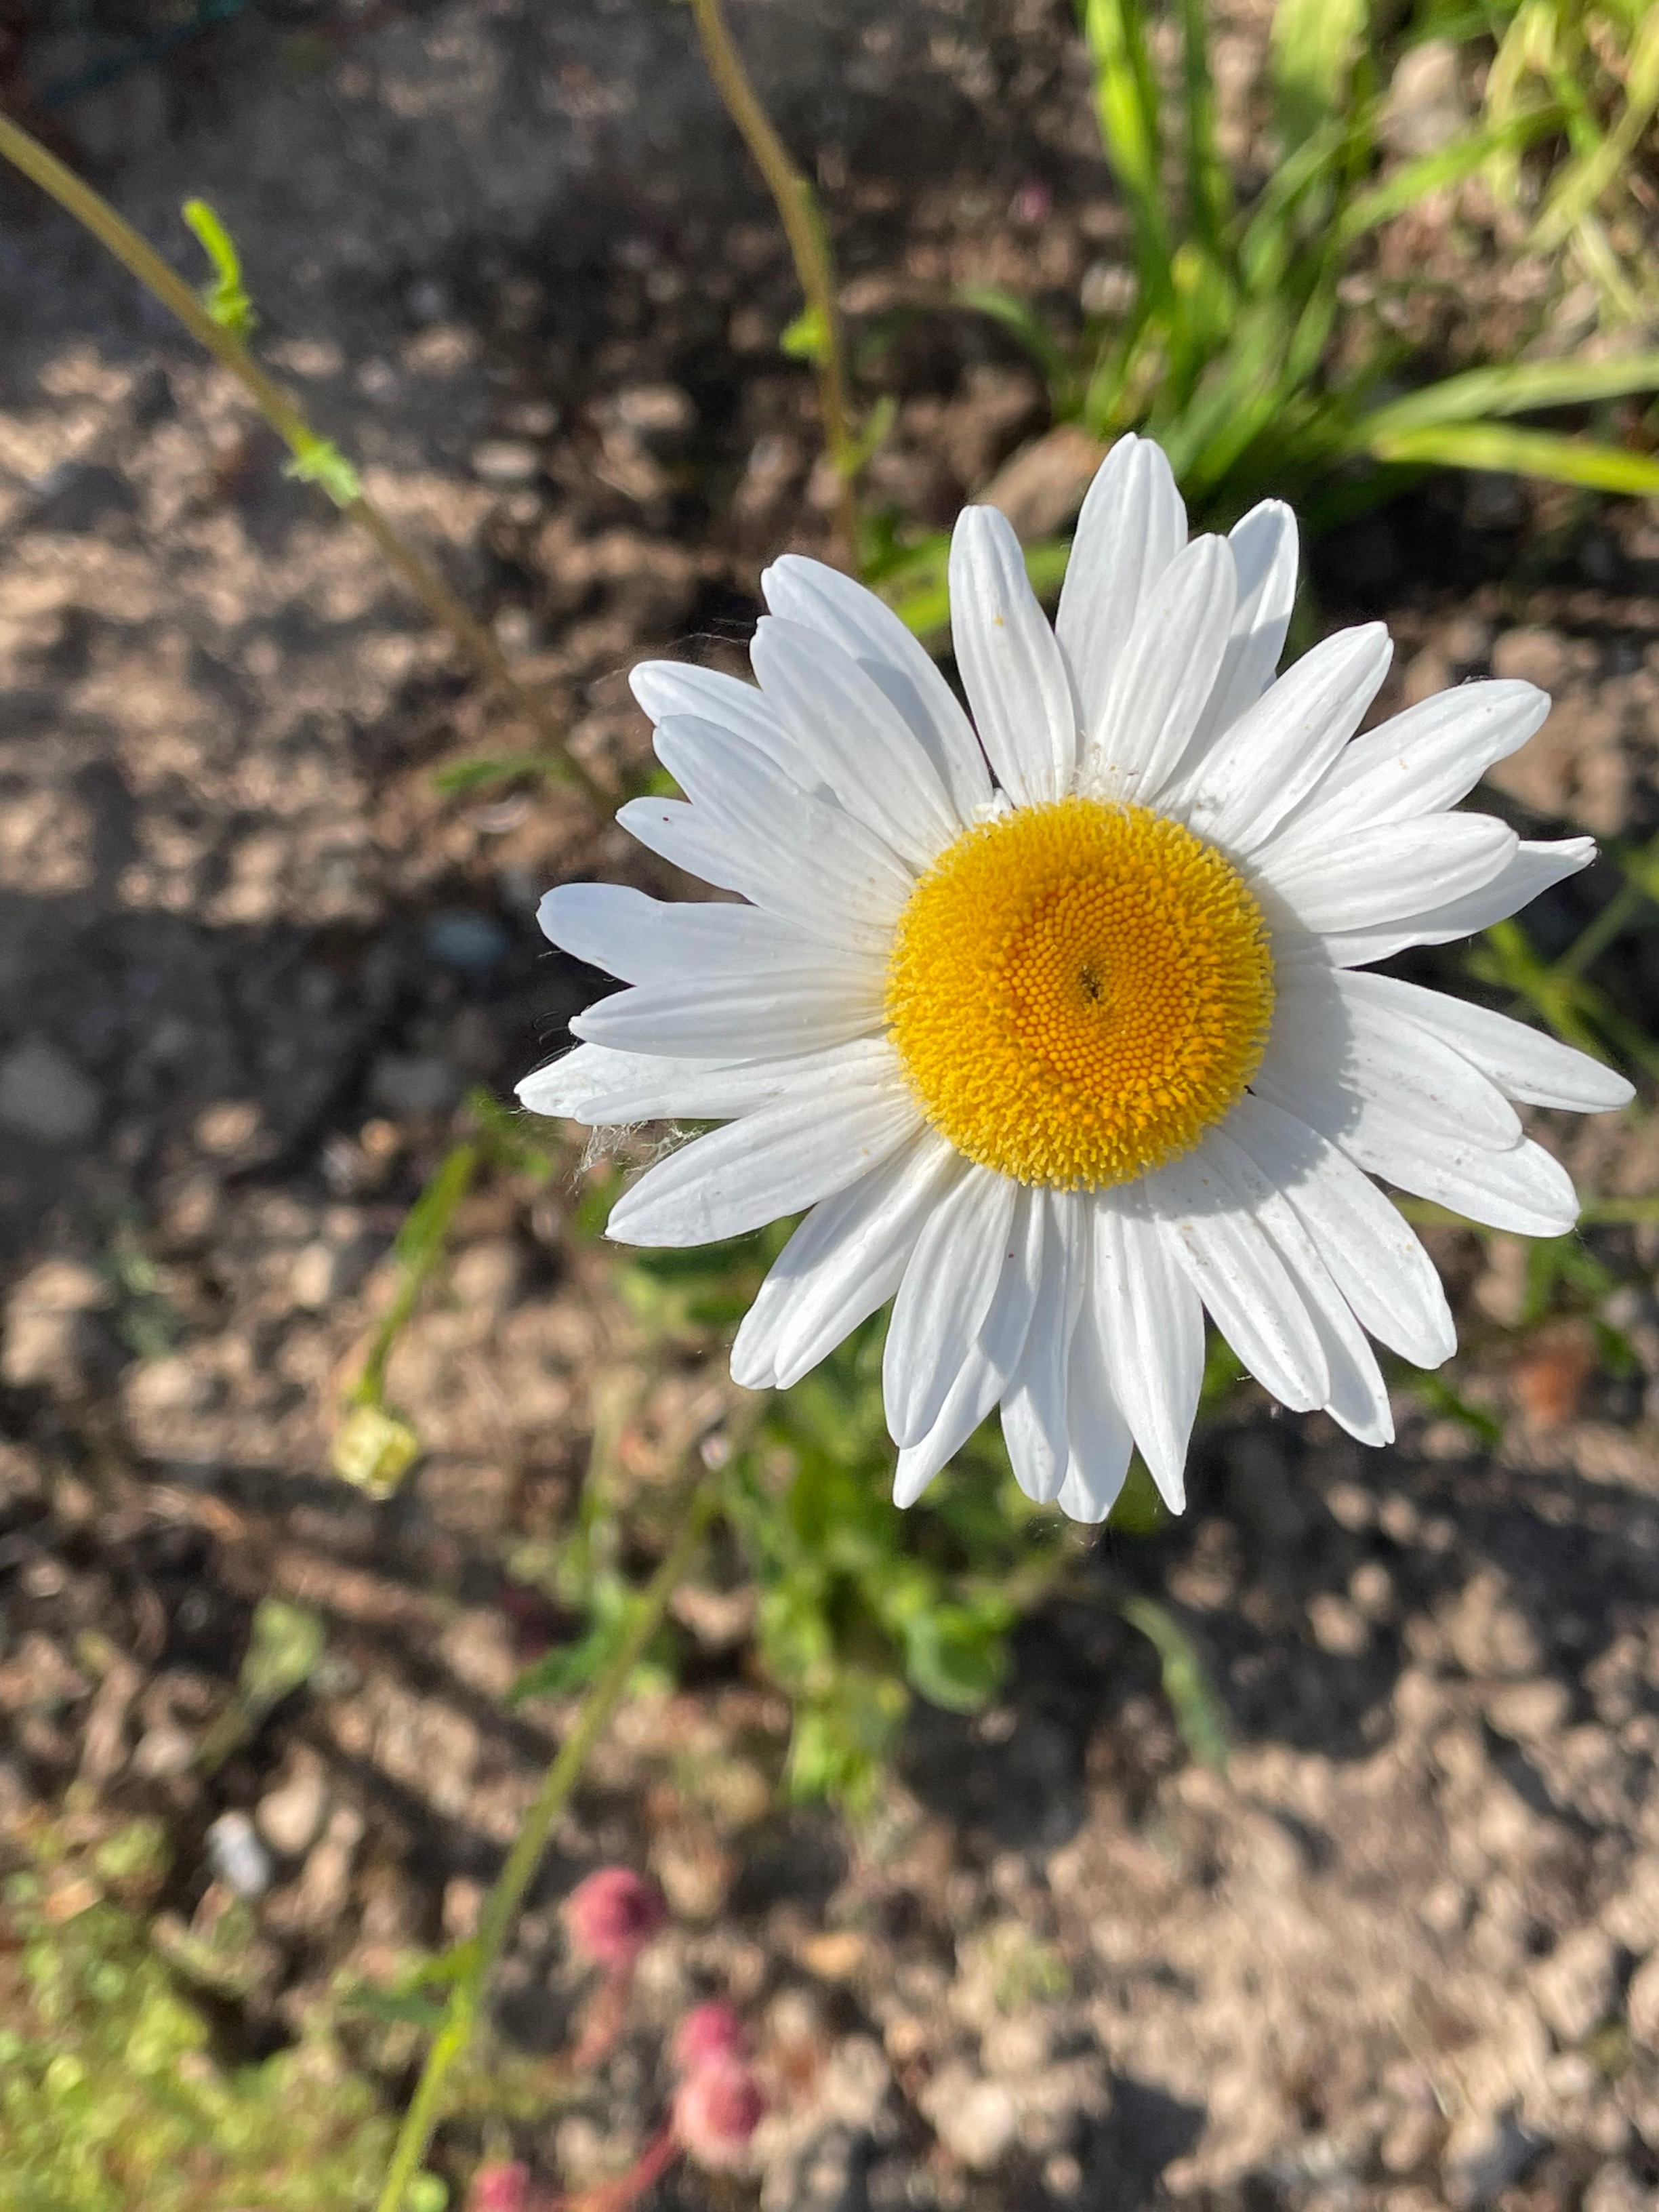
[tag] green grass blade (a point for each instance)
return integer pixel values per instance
(1580, 186)
(1022, 321)
(1198, 1712)
(1126, 105)
(1515, 390)
(1209, 188)
(1308, 176)
(1525, 453)
(1311, 54)
(1446, 166)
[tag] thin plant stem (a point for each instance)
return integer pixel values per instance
(502, 1906)
(803, 223)
(163, 281)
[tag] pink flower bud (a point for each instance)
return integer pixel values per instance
(708, 2034)
(612, 1916)
(499, 2186)
(717, 2109)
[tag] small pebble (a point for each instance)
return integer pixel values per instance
(460, 939)
(43, 1094)
(237, 1856)
(406, 1083)
(506, 461)
(290, 1816)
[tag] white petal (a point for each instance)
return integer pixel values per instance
(675, 686)
(1374, 876)
(788, 1156)
(1533, 868)
(1098, 1438)
(1237, 1269)
(991, 1359)
(737, 1016)
(1426, 759)
(1264, 549)
(1257, 768)
(1163, 677)
(1523, 1189)
(1012, 670)
(845, 901)
(617, 1089)
(646, 940)
(1035, 1425)
(845, 1259)
(822, 598)
(1132, 526)
(1152, 1326)
(1371, 1250)
(755, 831)
(1358, 1399)
(1522, 1062)
(945, 1296)
(1355, 1396)
(1330, 1022)
(854, 739)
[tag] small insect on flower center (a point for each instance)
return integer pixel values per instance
(1078, 991)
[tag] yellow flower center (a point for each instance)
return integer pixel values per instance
(1078, 991)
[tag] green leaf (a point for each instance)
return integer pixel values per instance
(1312, 49)
(807, 338)
(1525, 453)
(226, 299)
(1437, 1394)
(320, 461)
(1517, 389)
(957, 1656)
(284, 1645)
(571, 1667)
(1198, 1710)
(1021, 320)
(373, 1450)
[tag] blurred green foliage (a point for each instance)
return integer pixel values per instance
(111, 2095)
(1243, 348)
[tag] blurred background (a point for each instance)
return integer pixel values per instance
(1303, 1852)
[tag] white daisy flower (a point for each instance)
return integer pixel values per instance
(1054, 1023)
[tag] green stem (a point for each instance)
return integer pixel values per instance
(420, 1243)
(502, 1906)
(803, 224)
(140, 258)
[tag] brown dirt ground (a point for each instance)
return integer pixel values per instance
(1407, 1954)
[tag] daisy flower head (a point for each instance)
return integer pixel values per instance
(1053, 1016)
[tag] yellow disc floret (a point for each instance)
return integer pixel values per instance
(1078, 991)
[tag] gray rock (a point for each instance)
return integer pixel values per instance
(43, 1094)
(1493, 2154)
(406, 1085)
(461, 939)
